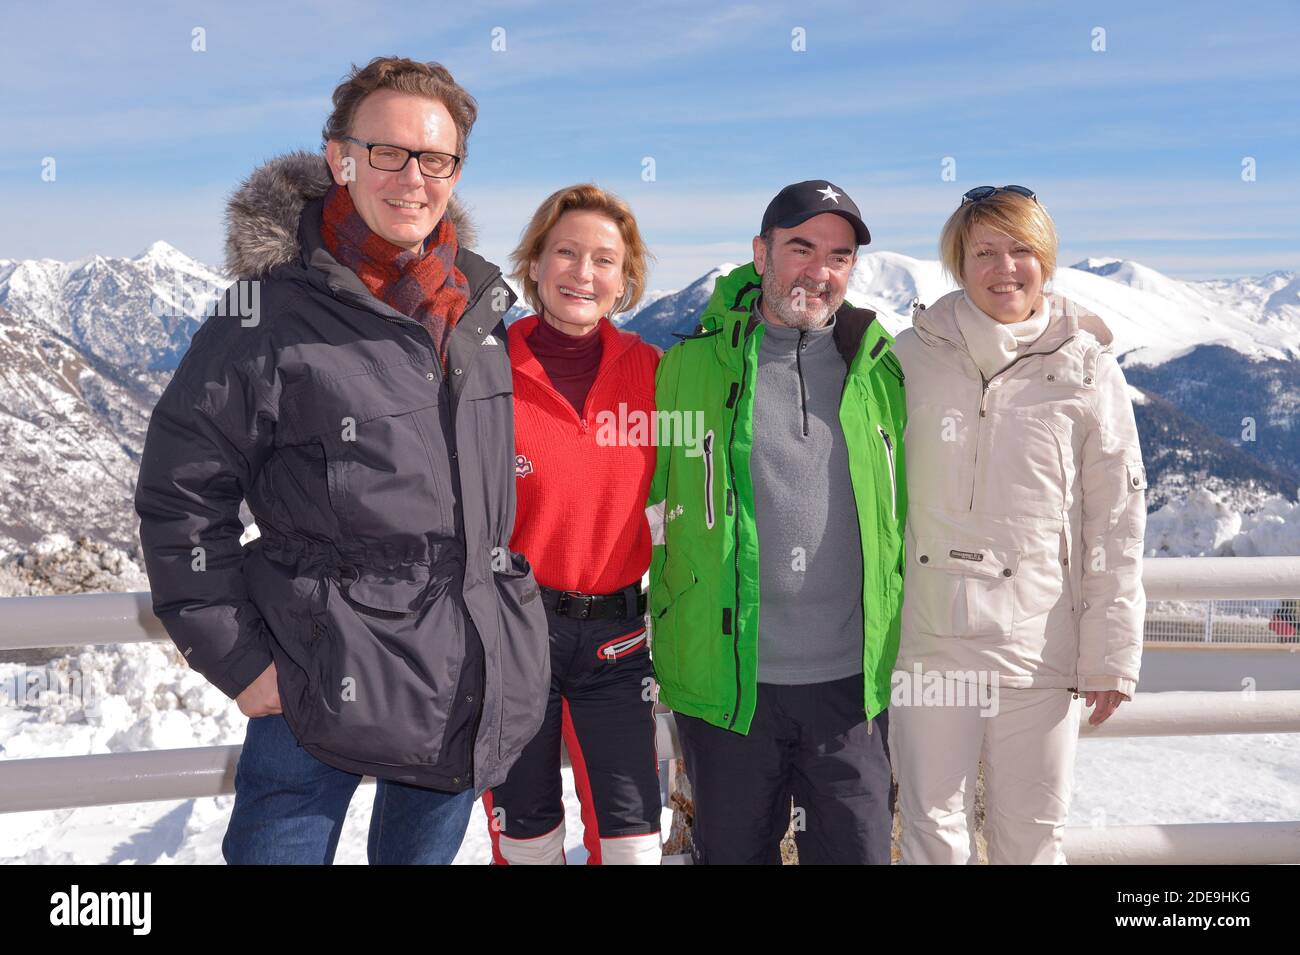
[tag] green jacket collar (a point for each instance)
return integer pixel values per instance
(730, 314)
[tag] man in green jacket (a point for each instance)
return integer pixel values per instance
(791, 417)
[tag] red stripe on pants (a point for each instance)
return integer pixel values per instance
(581, 782)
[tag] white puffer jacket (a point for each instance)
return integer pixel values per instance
(1026, 507)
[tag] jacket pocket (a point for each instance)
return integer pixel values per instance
(385, 458)
(1068, 562)
(961, 588)
(685, 637)
(398, 591)
(383, 678)
(893, 475)
(525, 655)
(1135, 512)
(620, 647)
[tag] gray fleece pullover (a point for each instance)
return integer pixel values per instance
(810, 564)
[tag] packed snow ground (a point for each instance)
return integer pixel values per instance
(142, 697)
(147, 699)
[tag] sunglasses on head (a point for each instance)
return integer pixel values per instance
(983, 192)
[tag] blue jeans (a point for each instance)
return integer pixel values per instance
(289, 809)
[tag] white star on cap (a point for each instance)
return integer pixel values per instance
(829, 193)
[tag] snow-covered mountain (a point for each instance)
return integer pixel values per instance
(1182, 454)
(648, 299)
(1154, 317)
(138, 312)
(71, 429)
(678, 312)
(1252, 404)
(1231, 365)
(86, 347)
(1207, 353)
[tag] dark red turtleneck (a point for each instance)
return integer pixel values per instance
(571, 362)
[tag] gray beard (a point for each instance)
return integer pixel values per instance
(779, 306)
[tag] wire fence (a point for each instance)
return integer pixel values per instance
(1222, 621)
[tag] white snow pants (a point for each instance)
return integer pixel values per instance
(1028, 749)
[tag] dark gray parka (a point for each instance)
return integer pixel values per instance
(410, 643)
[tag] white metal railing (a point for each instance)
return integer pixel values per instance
(114, 778)
(1221, 578)
(61, 782)
(1201, 713)
(1210, 843)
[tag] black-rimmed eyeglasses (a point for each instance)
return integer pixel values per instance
(983, 192)
(389, 158)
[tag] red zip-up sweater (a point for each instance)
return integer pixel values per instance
(581, 485)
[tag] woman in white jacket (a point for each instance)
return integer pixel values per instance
(1024, 541)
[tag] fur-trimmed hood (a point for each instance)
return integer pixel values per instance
(262, 214)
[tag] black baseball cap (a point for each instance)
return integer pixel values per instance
(803, 200)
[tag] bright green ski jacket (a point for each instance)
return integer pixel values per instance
(704, 580)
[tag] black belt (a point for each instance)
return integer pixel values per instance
(571, 603)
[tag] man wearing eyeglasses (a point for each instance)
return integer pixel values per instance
(380, 625)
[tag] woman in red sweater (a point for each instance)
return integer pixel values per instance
(582, 474)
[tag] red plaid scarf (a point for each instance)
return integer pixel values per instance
(426, 285)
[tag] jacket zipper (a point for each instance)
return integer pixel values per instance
(579, 419)
(975, 461)
(803, 390)
(604, 370)
(445, 383)
(708, 480)
(893, 479)
(735, 525)
(984, 400)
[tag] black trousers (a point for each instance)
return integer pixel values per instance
(601, 705)
(809, 744)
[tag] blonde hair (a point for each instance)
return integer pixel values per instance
(585, 197)
(1023, 219)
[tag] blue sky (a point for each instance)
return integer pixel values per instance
(1137, 151)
